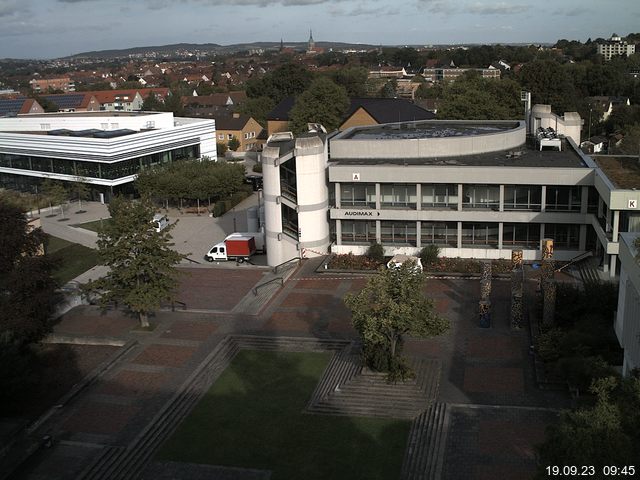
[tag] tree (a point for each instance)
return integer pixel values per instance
(287, 80)
(173, 103)
(221, 148)
(80, 188)
(258, 108)
(151, 103)
(474, 98)
(631, 141)
(390, 89)
(55, 193)
(550, 84)
(142, 265)
(601, 435)
(391, 306)
(323, 102)
(233, 144)
(353, 79)
(27, 296)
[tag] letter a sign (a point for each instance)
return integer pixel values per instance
(633, 204)
(356, 177)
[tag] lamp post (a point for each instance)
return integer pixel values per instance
(590, 110)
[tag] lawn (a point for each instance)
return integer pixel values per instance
(93, 226)
(253, 417)
(70, 259)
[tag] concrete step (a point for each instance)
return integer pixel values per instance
(107, 457)
(425, 449)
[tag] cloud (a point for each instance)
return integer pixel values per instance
(572, 12)
(437, 6)
(496, 9)
(363, 10)
(12, 8)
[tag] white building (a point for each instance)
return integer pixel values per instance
(615, 46)
(476, 189)
(627, 324)
(106, 149)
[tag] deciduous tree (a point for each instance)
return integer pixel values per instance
(323, 102)
(391, 306)
(142, 264)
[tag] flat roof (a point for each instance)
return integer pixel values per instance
(428, 129)
(101, 113)
(622, 171)
(526, 156)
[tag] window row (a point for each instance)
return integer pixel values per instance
(516, 197)
(108, 171)
(445, 234)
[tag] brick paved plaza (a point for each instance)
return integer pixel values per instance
(496, 413)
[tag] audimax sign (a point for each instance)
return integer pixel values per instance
(361, 213)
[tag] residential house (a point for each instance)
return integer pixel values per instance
(242, 127)
(606, 105)
(213, 105)
(11, 107)
(44, 85)
(74, 102)
(361, 112)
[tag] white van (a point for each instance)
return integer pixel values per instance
(160, 222)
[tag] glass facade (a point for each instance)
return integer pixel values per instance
(288, 182)
(484, 235)
(444, 234)
(523, 197)
(290, 221)
(104, 170)
(356, 232)
(398, 195)
(563, 199)
(565, 237)
(362, 195)
(521, 235)
(398, 233)
(439, 196)
(481, 196)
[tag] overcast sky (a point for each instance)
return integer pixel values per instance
(55, 28)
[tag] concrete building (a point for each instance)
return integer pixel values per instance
(476, 189)
(627, 323)
(615, 46)
(106, 149)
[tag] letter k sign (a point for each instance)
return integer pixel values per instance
(633, 204)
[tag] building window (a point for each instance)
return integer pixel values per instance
(563, 199)
(290, 221)
(398, 233)
(358, 232)
(522, 197)
(398, 195)
(484, 235)
(521, 235)
(221, 137)
(288, 180)
(358, 195)
(565, 237)
(439, 196)
(444, 234)
(481, 196)
(229, 136)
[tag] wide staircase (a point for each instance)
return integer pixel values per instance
(425, 448)
(347, 388)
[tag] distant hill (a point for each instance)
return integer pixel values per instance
(212, 48)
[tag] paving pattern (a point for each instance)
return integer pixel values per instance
(477, 412)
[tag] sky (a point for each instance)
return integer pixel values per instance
(56, 28)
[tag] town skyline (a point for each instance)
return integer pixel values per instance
(58, 28)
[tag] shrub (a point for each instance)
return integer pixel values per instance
(257, 168)
(376, 253)
(429, 255)
(352, 262)
(221, 147)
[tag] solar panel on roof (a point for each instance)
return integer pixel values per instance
(70, 100)
(11, 107)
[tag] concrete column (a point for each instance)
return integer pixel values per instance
(584, 199)
(337, 194)
(500, 232)
(541, 235)
(600, 206)
(612, 267)
(338, 232)
(616, 225)
(501, 204)
(378, 199)
(582, 239)
(419, 232)
(543, 198)
(378, 232)
(609, 221)
(459, 197)
(418, 197)
(459, 234)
